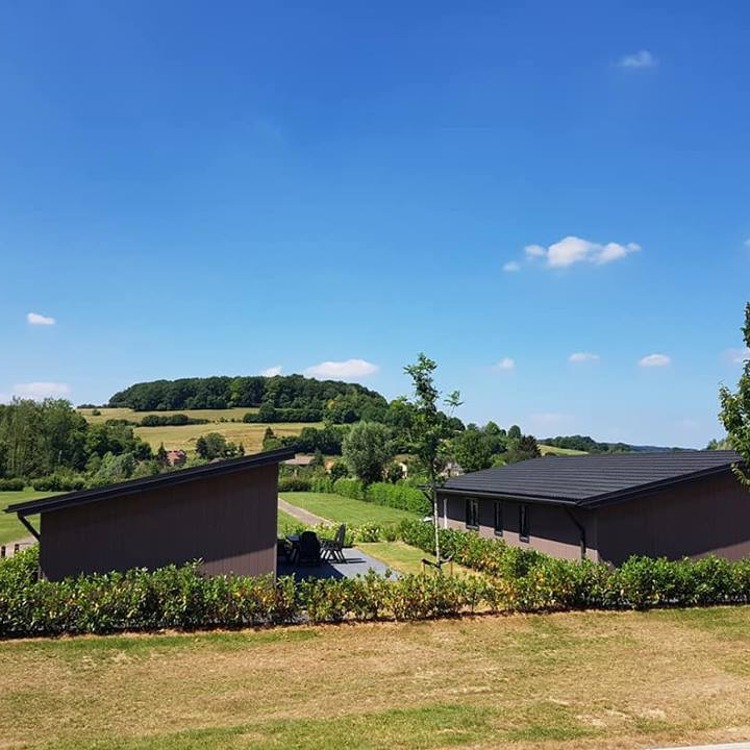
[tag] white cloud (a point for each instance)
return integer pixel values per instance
(641, 59)
(35, 319)
(350, 368)
(737, 356)
(270, 372)
(571, 249)
(41, 390)
(655, 360)
(747, 242)
(506, 363)
(583, 357)
(535, 251)
(512, 266)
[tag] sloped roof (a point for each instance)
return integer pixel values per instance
(133, 486)
(590, 480)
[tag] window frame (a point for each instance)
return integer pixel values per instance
(473, 503)
(499, 514)
(523, 523)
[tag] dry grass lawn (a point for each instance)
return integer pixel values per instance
(574, 681)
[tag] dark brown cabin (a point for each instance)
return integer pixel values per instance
(224, 513)
(608, 507)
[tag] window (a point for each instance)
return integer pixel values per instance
(472, 513)
(523, 523)
(498, 519)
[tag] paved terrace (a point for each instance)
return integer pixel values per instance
(357, 562)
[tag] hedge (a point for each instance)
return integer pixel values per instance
(381, 493)
(295, 484)
(12, 485)
(182, 598)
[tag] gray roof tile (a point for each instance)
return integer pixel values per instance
(591, 479)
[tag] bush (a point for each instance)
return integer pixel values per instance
(59, 483)
(295, 484)
(399, 496)
(12, 485)
(322, 484)
(352, 488)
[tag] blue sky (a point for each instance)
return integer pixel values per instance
(192, 189)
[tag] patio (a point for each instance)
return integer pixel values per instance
(357, 563)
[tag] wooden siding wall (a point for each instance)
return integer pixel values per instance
(551, 529)
(694, 519)
(229, 521)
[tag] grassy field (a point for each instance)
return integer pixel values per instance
(345, 510)
(212, 415)
(552, 450)
(250, 435)
(583, 681)
(184, 436)
(11, 528)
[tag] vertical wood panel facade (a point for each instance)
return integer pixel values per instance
(705, 516)
(227, 520)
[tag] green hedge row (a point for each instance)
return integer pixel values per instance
(12, 485)
(399, 496)
(182, 598)
(530, 580)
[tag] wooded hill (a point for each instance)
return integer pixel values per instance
(289, 398)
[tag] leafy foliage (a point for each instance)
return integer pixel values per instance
(280, 398)
(42, 439)
(367, 449)
(735, 410)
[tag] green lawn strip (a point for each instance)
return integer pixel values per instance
(345, 510)
(406, 559)
(286, 524)
(11, 529)
(427, 728)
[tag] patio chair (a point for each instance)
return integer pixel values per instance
(333, 549)
(308, 550)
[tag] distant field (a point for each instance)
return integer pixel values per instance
(184, 436)
(553, 451)
(11, 529)
(212, 415)
(250, 435)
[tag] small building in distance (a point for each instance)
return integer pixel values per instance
(176, 457)
(223, 513)
(608, 507)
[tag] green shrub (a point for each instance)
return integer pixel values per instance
(12, 485)
(295, 484)
(59, 483)
(322, 484)
(399, 496)
(352, 488)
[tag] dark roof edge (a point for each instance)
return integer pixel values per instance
(507, 496)
(132, 486)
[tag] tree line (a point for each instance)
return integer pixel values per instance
(279, 398)
(51, 445)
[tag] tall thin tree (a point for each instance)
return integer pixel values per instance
(429, 428)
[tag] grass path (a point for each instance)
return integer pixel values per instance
(579, 681)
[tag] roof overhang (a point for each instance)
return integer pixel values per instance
(137, 486)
